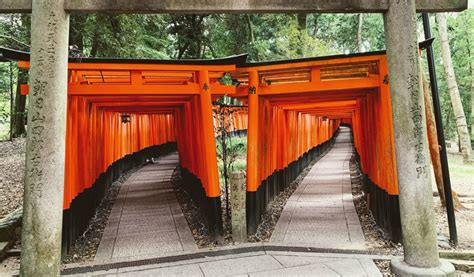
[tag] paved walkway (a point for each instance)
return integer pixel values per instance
(146, 219)
(147, 234)
(321, 211)
(259, 263)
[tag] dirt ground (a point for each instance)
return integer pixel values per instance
(12, 167)
(462, 182)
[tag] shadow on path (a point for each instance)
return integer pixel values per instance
(321, 212)
(146, 219)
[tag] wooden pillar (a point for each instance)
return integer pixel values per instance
(45, 149)
(416, 200)
(252, 153)
(210, 157)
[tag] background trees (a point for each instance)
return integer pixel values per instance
(262, 36)
(14, 33)
(453, 89)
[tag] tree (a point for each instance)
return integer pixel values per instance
(16, 35)
(188, 31)
(471, 68)
(359, 32)
(461, 123)
(19, 112)
(227, 150)
(433, 146)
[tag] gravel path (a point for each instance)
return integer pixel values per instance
(374, 235)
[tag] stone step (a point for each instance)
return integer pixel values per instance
(457, 255)
(462, 265)
(4, 246)
(14, 253)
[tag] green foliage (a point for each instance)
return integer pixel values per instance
(340, 31)
(127, 36)
(262, 36)
(6, 85)
(461, 41)
(14, 33)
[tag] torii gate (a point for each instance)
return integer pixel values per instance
(41, 237)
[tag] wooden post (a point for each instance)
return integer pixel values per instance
(252, 153)
(210, 157)
(45, 149)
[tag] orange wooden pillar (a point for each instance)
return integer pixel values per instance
(211, 179)
(252, 153)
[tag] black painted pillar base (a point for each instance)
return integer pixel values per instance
(251, 209)
(214, 215)
(82, 208)
(385, 209)
(210, 207)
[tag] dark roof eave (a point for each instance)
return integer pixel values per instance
(322, 58)
(240, 61)
(421, 45)
(15, 55)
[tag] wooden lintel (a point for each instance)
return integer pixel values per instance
(107, 89)
(346, 84)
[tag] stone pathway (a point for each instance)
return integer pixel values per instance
(147, 224)
(146, 219)
(261, 263)
(321, 212)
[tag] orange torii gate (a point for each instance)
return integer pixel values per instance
(294, 109)
(296, 106)
(121, 112)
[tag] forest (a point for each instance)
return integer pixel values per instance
(263, 36)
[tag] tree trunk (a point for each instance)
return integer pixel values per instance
(12, 106)
(461, 124)
(76, 32)
(471, 67)
(301, 17)
(249, 26)
(433, 144)
(315, 23)
(18, 126)
(359, 32)
(471, 71)
(301, 20)
(95, 43)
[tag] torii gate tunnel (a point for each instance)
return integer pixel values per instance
(294, 109)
